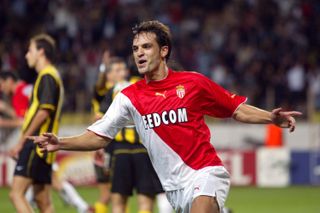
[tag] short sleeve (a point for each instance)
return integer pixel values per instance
(116, 117)
(48, 93)
(216, 101)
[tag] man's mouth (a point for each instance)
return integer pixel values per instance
(142, 62)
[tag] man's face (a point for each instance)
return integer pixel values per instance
(146, 52)
(32, 55)
(118, 72)
(5, 85)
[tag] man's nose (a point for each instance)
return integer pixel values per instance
(140, 52)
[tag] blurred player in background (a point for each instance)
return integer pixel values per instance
(106, 80)
(18, 92)
(34, 167)
(67, 192)
(168, 109)
(13, 104)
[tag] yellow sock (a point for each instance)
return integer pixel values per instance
(100, 208)
(144, 211)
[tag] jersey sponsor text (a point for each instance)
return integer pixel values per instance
(153, 120)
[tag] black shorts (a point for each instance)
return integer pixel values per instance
(131, 168)
(103, 172)
(31, 165)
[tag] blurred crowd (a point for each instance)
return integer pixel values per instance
(267, 50)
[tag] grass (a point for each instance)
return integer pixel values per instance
(297, 199)
(90, 194)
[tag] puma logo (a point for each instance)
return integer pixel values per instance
(161, 94)
(197, 188)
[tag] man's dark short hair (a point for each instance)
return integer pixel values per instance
(4, 75)
(162, 32)
(47, 43)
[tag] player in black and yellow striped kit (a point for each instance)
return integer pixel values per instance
(34, 167)
(105, 82)
(130, 164)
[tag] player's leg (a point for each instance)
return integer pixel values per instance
(102, 161)
(57, 185)
(101, 205)
(29, 194)
(163, 204)
(121, 177)
(71, 194)
(119, 202)
(41, 174)
(146, 180)
(145, 203)
(209, 190)
(205, 204)
(67, 192)
(30, 197)
(43, 198)
(21, 178)
(19, 187)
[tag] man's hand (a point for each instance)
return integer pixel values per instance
(284, 119)
(47, 142)
(99, 157)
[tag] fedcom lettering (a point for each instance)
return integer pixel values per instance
(153, 120)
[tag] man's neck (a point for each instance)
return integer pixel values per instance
(158, 74)
(42, 63)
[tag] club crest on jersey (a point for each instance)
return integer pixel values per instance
(180, 91)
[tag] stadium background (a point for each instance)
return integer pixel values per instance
(265, 49)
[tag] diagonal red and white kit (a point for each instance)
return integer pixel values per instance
(169, 117)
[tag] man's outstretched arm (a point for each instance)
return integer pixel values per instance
(250, 114)
(87, 141)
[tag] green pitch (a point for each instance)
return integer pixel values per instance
(296, 199)
(241, 200)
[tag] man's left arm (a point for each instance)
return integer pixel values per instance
(249, 114)
(35, 124)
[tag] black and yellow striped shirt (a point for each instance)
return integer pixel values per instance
(99, 99)
(47, 94)
(101, 103)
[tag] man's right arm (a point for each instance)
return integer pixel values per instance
(87, 141)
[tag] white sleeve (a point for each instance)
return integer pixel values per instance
(116, 117)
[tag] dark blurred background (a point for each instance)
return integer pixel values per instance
(265, 49)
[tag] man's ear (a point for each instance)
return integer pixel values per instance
(41, 51)
(164, 51)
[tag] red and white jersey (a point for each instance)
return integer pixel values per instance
(169, 117)
(20, 98)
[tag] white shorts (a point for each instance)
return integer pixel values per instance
(210, 181)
